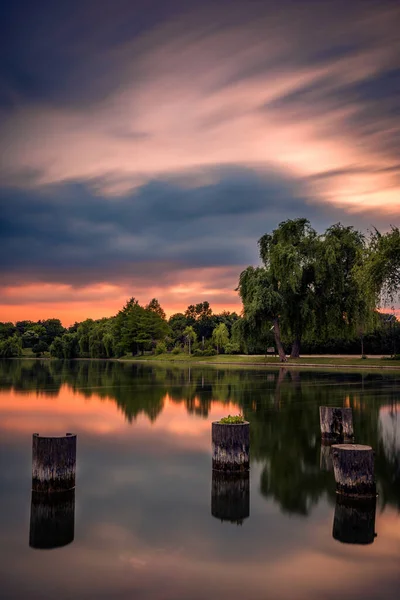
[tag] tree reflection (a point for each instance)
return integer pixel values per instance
(281, 404)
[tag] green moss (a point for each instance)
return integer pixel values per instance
(229, 420)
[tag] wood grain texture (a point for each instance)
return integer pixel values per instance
(230, 446)
(53, 463)
(353, 465)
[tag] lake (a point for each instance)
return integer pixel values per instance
(148, 519)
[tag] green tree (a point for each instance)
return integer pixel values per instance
(70, 345)
(83, 331)
(383, 264)
(53, 328)
(154, 306)
(309, 286)
(137, 328)
(57, 349)
(201, 318)
(220, 337)
(7, 330)
(344, 301)
(40, 348)
(262, 304)
(11, 347)
(177, 323)
(288, 254)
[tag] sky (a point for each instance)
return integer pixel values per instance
(146, 145)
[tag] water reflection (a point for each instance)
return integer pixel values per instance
(325, 461)
(354, 520)
(282, 407)
(144, 529)
(230, 496)
(52, 521)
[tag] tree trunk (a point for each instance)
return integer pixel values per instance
(362, 345)
(295, 353)
(281, 378)
(277, 334)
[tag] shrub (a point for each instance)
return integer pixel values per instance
(209, 352)
(40, 348)
(394, 357)
(176, 350)
(232, 420)
(161, 348)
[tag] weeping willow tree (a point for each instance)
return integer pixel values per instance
(289, 255)
(344, 299)
(383, 265)
(262, 303)
(310, 285)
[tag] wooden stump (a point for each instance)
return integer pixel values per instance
(230, 446)
(336, 424)
(52, 520)
(230, 496)
(354, 521)
(53, 463)
(353, 465)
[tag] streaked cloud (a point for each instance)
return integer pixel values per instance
(248, 92)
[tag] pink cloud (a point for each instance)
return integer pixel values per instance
(182, 106)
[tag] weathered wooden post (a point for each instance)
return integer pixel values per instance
(230, 446)
(53, 463)
(353, 465)
(336, 424)
(354, 521)
(52, 519)
(230, 496)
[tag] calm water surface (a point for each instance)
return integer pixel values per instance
(142, 521)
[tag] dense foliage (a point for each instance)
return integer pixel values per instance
(318, 288)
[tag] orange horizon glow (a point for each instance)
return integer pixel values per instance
(73, 304)
(70, 410)
(70, 314)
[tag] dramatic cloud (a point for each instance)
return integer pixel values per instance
(148, 143)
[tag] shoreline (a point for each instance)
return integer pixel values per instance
(242, 364)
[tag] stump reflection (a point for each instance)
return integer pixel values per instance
(354, 521)
(52, 520)
(325, 457)
(230, 496)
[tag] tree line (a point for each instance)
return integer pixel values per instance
(316, 292)
(134, 330)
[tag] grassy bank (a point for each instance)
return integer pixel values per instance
(315, 361)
